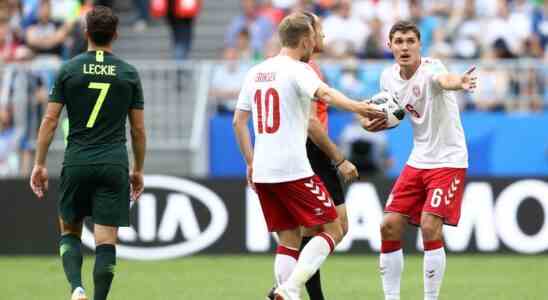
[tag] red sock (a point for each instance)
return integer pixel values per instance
(390, 246)
(287, 251)
(432, 245)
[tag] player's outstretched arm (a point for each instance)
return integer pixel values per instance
(319, 136)
(338, 99)
(455, 82)
(39, 176)
(138, 144)
(239, 123)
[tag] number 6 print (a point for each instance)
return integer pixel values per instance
(436, 197)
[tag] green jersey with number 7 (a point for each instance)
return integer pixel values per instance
(98, 90)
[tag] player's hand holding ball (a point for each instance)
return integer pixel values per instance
(367, 110)
(389, 105)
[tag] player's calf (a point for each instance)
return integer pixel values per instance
(391, 257)
(434, 255)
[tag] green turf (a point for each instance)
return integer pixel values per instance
(249, 277)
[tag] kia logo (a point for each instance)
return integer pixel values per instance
(156, 237)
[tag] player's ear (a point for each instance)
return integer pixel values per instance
(115, 37)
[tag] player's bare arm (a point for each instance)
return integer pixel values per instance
(455, 82)
(138, 144)
(239, 123)
(319, 136)
(338, 99)
(39, 176)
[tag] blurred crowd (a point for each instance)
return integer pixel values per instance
(508, 36)
(35, 37)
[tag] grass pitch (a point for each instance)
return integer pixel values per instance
(345, 277)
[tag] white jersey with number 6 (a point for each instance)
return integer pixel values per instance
(279, 92)
(438, 136)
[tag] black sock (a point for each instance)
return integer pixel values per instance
(314, 284)
(71, 254)
(103, 272)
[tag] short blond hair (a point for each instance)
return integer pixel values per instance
(293, 28)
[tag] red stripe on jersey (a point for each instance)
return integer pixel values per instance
(321, 106)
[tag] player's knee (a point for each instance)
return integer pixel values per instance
(336, 232)
(431, 231)
(344, 228)
(390, 230)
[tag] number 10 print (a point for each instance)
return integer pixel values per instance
(271, 105)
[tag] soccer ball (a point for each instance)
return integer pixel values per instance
(387, 103)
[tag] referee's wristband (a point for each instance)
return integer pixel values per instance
(339, 163)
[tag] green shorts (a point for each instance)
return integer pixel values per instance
(99, 191)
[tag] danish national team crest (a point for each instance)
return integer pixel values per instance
(416, 91)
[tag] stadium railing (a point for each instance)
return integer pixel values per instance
(178, 105)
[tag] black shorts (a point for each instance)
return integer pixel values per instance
(321, 165)
(99, 191)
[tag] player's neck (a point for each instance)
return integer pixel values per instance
(92, 47)
(406, 72)
(293, 53)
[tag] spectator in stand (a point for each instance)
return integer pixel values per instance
(143, 18)
(15, 14)
(512, 27)
(322, 8)
(343, 28)
(540, 25)
(495, 84)
(284, 5)
(273, 12)
(9, 160)
(10, 48)
(374, 45)
(107, 3)
(388, 11)
(227, 81)
(181, 17)
(438, 8)
(244, 46)
(46, 37)
(465, 29)
(65, 10)
(368, 151)
(440, 48)
(427, 25)
(260, 28)
(349, 82)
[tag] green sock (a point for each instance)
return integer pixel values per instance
(103, 272)
(71, 255)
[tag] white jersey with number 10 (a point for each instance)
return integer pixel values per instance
(279, 92)
(438, 136)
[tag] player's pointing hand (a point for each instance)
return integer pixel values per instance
(469, 80)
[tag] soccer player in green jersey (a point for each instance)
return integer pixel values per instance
(100, 91)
